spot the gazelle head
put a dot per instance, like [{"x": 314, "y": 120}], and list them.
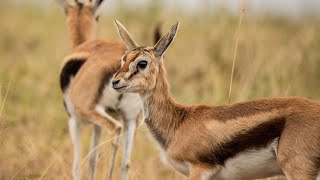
[{"x": 140, "y": 65}]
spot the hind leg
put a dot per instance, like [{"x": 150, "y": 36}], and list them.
[
  {"x": 297, "y": 164},
  {"x": 298, "y": 151},
  {"x": 297, "y": 174},
  {"x": 96, "y": 133},
  {"x": 101, "y": 118},
  {"x": 74, "y": 130}
]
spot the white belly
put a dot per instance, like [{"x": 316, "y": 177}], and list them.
[{"x": 253, "y": 164}]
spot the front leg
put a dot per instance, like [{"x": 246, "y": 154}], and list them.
[
  {"x": 182, "y": 167},
  {"x": 198, "y": 172},
  {"x": 129, "y": 133}
]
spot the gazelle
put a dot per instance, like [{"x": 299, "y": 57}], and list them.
[
  {"x": 87, "y": 91},
  {"x": 248, "y": 140}
]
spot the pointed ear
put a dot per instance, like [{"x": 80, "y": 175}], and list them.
[
  {"x": 125, "y": 36},
  {"x": 165, "y": 41}
]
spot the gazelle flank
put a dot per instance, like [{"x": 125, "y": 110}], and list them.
[
  {"x": 247, "y": 140},
  {"x": 88, "y": 95}
]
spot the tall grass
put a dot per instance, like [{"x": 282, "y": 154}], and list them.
[
  {"x": 278, "y": 57},
  {"x": 235, "y": 54}
]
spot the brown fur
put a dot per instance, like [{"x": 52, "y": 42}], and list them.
[
  {"x": 103, "y": 60},
  {"x": 207, "y": 136},
  {"x": 79, "y": 17},
  {"x": 90, "y": 65}
]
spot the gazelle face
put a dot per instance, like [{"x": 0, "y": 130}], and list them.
[
  {"x": 139, "y": 65},
  {"x": 138, "y": 71}
]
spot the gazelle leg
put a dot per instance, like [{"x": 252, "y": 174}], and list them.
[
  {"x": 129, "y": 133},
  {"x": 74, "y": 130},
  {"x": 101, "y": 118},
  {"x": 114, "y": 149},
  {"x": 195, "y": 172},
  {"x": 202, "y": 172},
  {"x": 96, "y": 133}
]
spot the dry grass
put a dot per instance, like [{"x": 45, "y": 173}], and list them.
[
  {"x": 278, "y": 57},
  {"x": 235, "y": 54}
]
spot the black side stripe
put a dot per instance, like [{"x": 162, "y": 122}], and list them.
[
  {"x": 316, "y": 165},
  {"x": 256, "y": 138},
  {"x": 69, "y": 70}
]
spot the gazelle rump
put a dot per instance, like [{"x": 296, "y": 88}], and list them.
[
  {"x": 247, "y": 140},
  {"x": 88, "y": 95}
]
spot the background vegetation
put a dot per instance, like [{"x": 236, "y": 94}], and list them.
[{"x": 276, "y": 57}]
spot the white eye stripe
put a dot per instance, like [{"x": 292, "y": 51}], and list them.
[{"x": 122, "y": 60}]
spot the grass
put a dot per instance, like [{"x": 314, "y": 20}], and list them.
[
  {"x": 278, "y": 57},
  {"x": 235, "y": 54}
]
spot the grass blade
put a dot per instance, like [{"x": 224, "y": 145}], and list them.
[{"x": 235, "y": 54}]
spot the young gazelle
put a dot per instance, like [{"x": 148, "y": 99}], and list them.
[
  {"x": 87, "y": 91},
  {"x": 247, "y": 140}
]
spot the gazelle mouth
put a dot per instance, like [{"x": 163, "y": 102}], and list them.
[{"x": 117, "y": 88}]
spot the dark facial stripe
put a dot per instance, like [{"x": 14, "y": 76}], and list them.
[
  {"x": 256, "y": 138},
  {"x": 69, "y": 70}
]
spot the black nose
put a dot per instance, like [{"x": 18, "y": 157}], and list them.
[{"x": 114, "y": 83}]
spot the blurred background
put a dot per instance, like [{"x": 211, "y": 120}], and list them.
[{"x": 278, "y": 55}]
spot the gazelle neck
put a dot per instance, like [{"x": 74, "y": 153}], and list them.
[{"x": 163, "y": 115}]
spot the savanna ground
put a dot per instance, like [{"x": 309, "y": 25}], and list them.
[{"x": 276, "y": 57}]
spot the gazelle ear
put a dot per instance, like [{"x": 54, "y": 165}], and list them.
[
  {"x": 165, "y": 41},
  {"x": 125, "y": 36}
]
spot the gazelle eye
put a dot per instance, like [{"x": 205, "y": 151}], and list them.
[{"x": 142, "y": 64}]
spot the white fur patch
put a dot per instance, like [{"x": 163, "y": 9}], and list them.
[
  {"x": 253, "y": 164},
  {"x": 109, "y": 97},
  {"x": 130, "y": 105},
  {"x": 68, "y": 103},
  {"x": 85, "y": 2}
]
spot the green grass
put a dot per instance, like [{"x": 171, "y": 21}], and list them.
[{"x": 275, "y": 57}]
